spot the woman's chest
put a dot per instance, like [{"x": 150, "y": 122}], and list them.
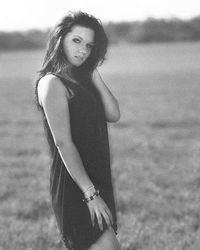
[{"x": 85, "y": 106}]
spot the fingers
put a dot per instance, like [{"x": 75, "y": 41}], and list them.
[
  {"x": 99, "y": 220},
  {"x": 99, "y": 209},
  {"x": 92, "y": 217},
  {"x": 110, "y": 215},
  {"x": 99, "y": 215},
  {"x": 107, "y": 219},
  {"x": 106, "y": 214}
]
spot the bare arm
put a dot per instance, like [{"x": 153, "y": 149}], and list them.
[
  {"x": 52, "y": 95},
  {"x": 110, "y": 103}
]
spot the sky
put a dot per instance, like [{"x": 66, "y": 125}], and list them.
[{"x": 41, "y": 14}]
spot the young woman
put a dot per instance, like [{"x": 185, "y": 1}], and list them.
[{"x": 76, "y": 106}]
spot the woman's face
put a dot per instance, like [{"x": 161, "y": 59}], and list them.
[{"x": 78, "y": 44}]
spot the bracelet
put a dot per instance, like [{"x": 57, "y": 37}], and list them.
[
  {"x": 88, "y": 189},
  {"x": 96, "y": 193}
]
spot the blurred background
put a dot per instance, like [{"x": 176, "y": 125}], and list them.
[{"x": 153, "y": 69}]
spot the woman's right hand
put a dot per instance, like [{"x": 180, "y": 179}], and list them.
[{"x": 98, "y": 208}]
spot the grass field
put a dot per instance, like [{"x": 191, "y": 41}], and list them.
[{"x": 155, "y": 149}]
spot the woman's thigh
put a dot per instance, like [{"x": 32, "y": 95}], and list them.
[{"x": 107, "y": 241}]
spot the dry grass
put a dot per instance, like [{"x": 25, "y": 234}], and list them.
[{"x": 155, "y": 150}]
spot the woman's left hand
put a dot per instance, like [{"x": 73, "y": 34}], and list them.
[{"x": 111, "y": 106}]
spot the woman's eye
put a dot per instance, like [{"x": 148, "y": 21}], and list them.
[{"x": 76, "y": 40}]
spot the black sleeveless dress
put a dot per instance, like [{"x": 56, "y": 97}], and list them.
[{"x": 90, "y": 136}]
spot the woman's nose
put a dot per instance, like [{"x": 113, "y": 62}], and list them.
[{"x": 83, "y": 50}]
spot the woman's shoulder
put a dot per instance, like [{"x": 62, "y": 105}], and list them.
[
  {"x": 50, "y": 80},
  {"x": 51, "y": 85}
]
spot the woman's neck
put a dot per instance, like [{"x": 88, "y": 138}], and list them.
[{"x": 66, "y": 72}]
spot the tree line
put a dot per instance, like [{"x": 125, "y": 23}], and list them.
[{"x": 150, "y": 30}]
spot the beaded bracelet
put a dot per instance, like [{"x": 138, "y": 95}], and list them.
[{"x": 96, "y": 193}]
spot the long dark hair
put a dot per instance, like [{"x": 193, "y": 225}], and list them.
[{"x": 55, "y": 58}]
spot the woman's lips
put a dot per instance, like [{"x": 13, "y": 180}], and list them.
[{"x": 79, "y": 58}]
